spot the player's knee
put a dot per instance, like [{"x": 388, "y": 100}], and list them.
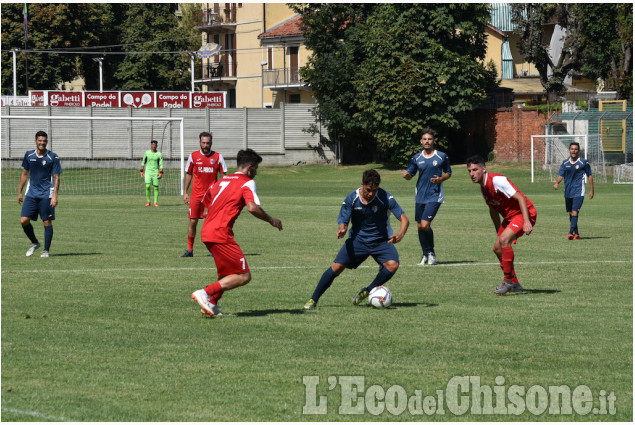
[
  {"x": 246, "y": 278},
  {"x": 391, "y": 266},
  {"x": 423, "y": 226},
  {"x": 337, "y": 268},
  {"x": 24, "y": 221}
]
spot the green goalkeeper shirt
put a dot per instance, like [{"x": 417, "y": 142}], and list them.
[{"x": 153, "y": 162}]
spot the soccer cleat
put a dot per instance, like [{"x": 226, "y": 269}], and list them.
[
  {"x": 216, "y": 310},
  {"x": 188, "y": 253},
  {"x": 569, "y": 236},
  {"x": 310, "y": 305},
  {"x": 360, "y": 296},
  {"x": 45, "y": 254},
  {"x": 156, "y": 205},
  {"x": 147, "y": 204},
  {"x": 32, "y": 249},
  {"x": 576, "y": 236},
  {"x": 508, "y": 286},
  {"x": 202, "y": 299},
  {"x": 423, "y": 261},
  {"x": 432, "y": 259}
]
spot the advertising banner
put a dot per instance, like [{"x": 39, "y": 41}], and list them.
[
  {"x": 208, "y": 100},
  {"x": 173, "y": 99},
  {"x": 102, "y": 100},
  {"x": 66, "y": 98},
  {"x": 137, "y": 99}
]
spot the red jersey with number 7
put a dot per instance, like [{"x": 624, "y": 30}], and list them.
[
  {"x": 205, "y": 169},
  {"x": 498, "y": 191},
  {"x": 224, "y": 201}
]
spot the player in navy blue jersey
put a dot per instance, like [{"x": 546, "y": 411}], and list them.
[
  {"x": 42, "y": 169},
  {"x": 368, "y": 211},
  {"x": 434, "y": 168},
  {"x": 572, "y": 171}
]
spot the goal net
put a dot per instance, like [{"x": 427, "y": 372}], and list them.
[
  {"x": 623, "y": 174},
  {"x": 549, "y": 151},
  {"x": 99, "y": 155}
]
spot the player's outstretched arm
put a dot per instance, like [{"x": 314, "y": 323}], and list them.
[{"x": 258, "y": 212}]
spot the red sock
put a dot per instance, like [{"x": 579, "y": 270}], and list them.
[
  {"x": 215, "y": 291},
  {"x": 508, "y": 262},
  {"x": 190, "y": 243}
]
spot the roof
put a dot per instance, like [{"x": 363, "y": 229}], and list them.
[
  {"x": 532, "y": 85},
  {"x": 290, "y": 27}
]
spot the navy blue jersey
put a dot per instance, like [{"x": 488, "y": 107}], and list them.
[
  {"x": 370, "y": 222},
  {"x": 437, "y": 165},
  {"x": 41, "y": 170},
  {"x": 573, "y": 174}
]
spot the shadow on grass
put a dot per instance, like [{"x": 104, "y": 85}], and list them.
[
  {"x": 73, "y": 254},
  {"x": 258, "y": 313},
  {"x": 593, "y": 237},
  {"x": 424, "y": 305},
  {"x": 538, "y": 291}
]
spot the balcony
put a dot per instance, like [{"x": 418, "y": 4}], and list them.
[
  {"x": 283, "y": 78},
  {"x": 216, "y": 19}
]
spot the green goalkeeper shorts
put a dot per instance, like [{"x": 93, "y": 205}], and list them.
[{"x": 152, "y": 179}]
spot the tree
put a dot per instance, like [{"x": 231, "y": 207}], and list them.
[
  {"x": 51, "y": 26},
  {"x": 385, "y": 71},
  {"x": 153, "y": 27},
  {"x": 607, "y": 37},
  {"x": 532, "y": 20}
]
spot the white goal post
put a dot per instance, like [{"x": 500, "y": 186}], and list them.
[
  {"x": 552, "y": 156},
  {"x": 180, "y": 121},
  {"x": 549, "y": 151}
]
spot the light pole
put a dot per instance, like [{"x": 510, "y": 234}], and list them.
[{"x": 100, "y": 60}]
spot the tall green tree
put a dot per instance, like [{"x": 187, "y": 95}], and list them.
[
  {"x": 50, "y": 26},
  {"x": 607, "y": 39},
  {"x": 532, "y": 21},
  {"x": 154, "y": 27},
  {"x": 382, "y": 72}
]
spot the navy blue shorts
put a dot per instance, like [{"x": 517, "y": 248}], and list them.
[
  {"x": 354, "y": 253},
  {"x": 427, "y": 211},
  {"x": 573, "y": 204},
  {"x": 31, "y": 207}
]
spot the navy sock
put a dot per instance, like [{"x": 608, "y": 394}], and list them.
[
  {"x": 426, "y": 239},
  {"x": 382, "y": 277},
  {"x": 574, "y": 225},
  {"x": 28, "y": 229},
  {"x": 325, "y": 283},
  {"x": 48, "y": 236}
]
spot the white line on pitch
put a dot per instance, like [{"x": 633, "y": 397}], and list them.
[
  {"x": 35, "y": 414},
  {"x": 169, "y": 269}
]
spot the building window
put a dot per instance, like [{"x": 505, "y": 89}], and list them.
[{"x": 294, "y": 98}]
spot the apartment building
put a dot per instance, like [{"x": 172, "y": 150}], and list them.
[{"x": 261, "y": 54}]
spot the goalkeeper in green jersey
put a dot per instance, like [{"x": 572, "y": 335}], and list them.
[{"x": 152, "y": 170}]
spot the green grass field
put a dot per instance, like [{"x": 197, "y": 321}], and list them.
[{"x": 105, "y": 330}]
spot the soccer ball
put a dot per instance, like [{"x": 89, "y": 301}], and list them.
[{"x": 380, "y": 297}]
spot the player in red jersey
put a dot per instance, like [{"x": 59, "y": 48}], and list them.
[
  {"x": 202, "y": 168},
  {"x": 223, "y": 203},
  {"x": 518, "y": 212}
]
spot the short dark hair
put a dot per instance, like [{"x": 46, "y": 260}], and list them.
[
  {"x": 205, "y": 134},
  {"x": 41, "y": 133},
  {"x": 476, "y": 159},
  {"x": 154, "y": 141},
  {"x": 371, "y": 177},
  {"x": 246, "y": 157},
  {"x": 574, "y": 143},
  {"x": 428, "y": 131}
]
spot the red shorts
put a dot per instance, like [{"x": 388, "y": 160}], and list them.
[
  {"x": 516, "y": 224},
  {"x": 229, "y": 258},
  {"x": 196, "y": 208}
]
